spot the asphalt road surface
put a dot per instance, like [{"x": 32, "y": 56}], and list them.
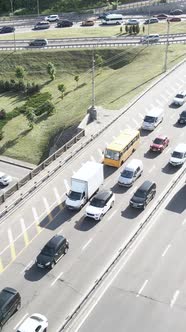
[{"x": 93, "y": 245}]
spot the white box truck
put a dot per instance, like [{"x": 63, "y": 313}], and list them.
[{"x": 84, "y": 183}]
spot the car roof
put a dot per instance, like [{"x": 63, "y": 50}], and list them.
[
  {"x": 145, "y": 185},
  {"x": 55, "y": 240},
  {"x": 103, "y": 195},
  {"x": 133, "y": 163},
  {"x": 161, "y": 136},
  {"x": 31, "y": 323}
]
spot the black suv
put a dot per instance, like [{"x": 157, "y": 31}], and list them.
[
  {"x": 7, "y": 29},
  {"x": 64, "y": 24},
  {"x": 52, "y": 252},
  {"x": 39, "y": 42},
  {"x": 10, "y": 301},
  {"x": 143, "y": 195},
  {"x": 182, "y": 118}
]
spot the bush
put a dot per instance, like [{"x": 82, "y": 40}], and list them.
[
  {"x": 38, "y": 99},
  {"x": 46, "y": 107},
  {"x": 1, "y": 135},
  {"x": 2, "y": 114}
]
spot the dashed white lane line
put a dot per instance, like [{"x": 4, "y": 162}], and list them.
[
  {"x": 112, "y": 214},
  {"x": 24, "y": 231},
  {"x": 66, "y": 185},
  {"x": 36, "y": 219},
  {"x": 174, "y": 298},
  {"x": 184, "y": 222},
  {"x": 58, "y": 277},
  {"x": 21, "y": 320},
  {"x": 142, "y": 288},
  {"x": 57, "y": 195},
  {"x": 166, "y": 249},
  {"x": 167, "y": 151},
  {"x": 11, "y": 242},
  {"x": 27, "y": 267},
  {"x": 151, "y": 169},
  {"x": 86, "y": 244}
]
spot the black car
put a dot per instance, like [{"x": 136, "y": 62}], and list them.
[
  {"x": 103, "y": 16},
  {"x": 52, "y": 252},
  {"x": 38, "y": 42},
  {"x": 182, "y": 118},
  {"x": 10, "y": 301},
  {"x": 176, "y": 12},
  {"x": 143, "y": 195},
  {"x": 64, "y": 24},
  {"x": 7, "y": 29}
]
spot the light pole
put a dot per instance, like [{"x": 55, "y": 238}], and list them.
[
  {"x": 11, "y": 8},
  {"x": 38, "y": 8},
  {"x": 93, "y": 80},
  {"x": 167, "y": 45}
]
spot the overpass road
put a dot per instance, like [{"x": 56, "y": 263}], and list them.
[
  {"x": 93, "y": 245},
  {"x": 147, "y": 290}
]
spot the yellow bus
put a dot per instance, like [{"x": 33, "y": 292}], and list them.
[{"x": 121, "y": 148}]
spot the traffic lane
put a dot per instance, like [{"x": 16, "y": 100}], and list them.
[
  {"x": 14, "y": 170},
  {"x": 128, "y": 288}
]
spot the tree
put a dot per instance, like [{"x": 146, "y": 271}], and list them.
[
  {"x": 134, "y": 29},
  {"x": 76, "y": 78},
  {"x": 51, "y": 70},
  {"x": 137, "y": 29},
  {"x": 62, "y": 89},
  {"x": 20, "y": 72},
  {"x": 130, "y": 30},
  {"x": 30, "y": 117},
  {"x": 143, "y": 28},
  {"x": 126, "y": 28}
]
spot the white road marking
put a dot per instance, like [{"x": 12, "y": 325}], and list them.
[
  {"x": 166, "y": 249},
  {"x": 10, "y": 236},
  {"x": 36, "y": 217},
  {"x": 159, "y": 102},
  {"x": 136, "y": 122},
  {"x": 167, "y": 150},
  {"x": 61, "y": 231},
  {"x": 66, "y": 185},
  {"x": 158, "y": 130},
  {"x": 184, "y": 222},
  {"x": 24, "y": 231},
  {"x": 92, "y": 158},
  {"x": 151, "y": 169},
  {"x": 142, "y": 288},
  {"x": 112, "y": 214},
  {"x": 58, "y": 198},
  {"x": 86, "y": 245},
  {"x": 52, "y": 284},
  {"x": 46, "y": 204},
  {"x": 26, "y": 267},
  {"x": 181, "y": 134},
  {"x": 100, "y": 152},
  {"x": 174, "y": 298},
  {"x": 21, "y": 320}
]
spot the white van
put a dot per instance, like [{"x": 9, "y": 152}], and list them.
[
  {"x": 130, "y": 173},
  {"x": 113, "y": 19},
  {"x": 178, "y": 157},
  {"x": 150, "y": 39},
  {"x": 153, "y": 118}
]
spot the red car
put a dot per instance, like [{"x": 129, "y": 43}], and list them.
[
  {"x": 159, "y": 143},
  {"x": 174, "y": 19},
  {"x": 161, "y": 16}
]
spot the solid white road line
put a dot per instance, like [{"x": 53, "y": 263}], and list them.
[
  {"x": 151, "y": 169},
  {"x": 86, "y": 245},
  {"x": 58, "y": 277},
  {"x": 174, "y": 298},
  {"x": 112, "y": 214},
  {"x": 26, "y": 267},
  {"x": 166, "y": 249},
  {"x": 142, "y": 288},
  {"x": 22, "y": 319}
]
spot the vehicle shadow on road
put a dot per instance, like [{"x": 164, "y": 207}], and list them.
[
  {"x": 119, "y": 189},
  {"x": 34, "y": 273},
  {"x": 169, "y": 169},
  {"x": 130, "y": 213},
  {"x": 58, "y": 216},
  {"x": 84, "y": 224},
  {"x": 177, "y": 203},
  {"x": 108, "y": 171},
  {"x": 150, "y": 154},
  {"x": 174, "y": 106},
  {"x": 144, "y": 133},
  {"x": 178, "y": 125}
]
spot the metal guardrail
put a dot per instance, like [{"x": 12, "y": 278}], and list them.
[
  {"x": 120, "y": 253},
  {"x": 37, "y": 170}
]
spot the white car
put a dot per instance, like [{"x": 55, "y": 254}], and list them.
[
  {"x": 132, "y": 22},
  {"x": 100, "y": 204},
  {"x": 52, "y": 18},
  {"x": 180, "y": 98},
  {"x": 35, "y": 322},
  {"x": 178, "y": 157},
  {"x": 5, "y": 179}
]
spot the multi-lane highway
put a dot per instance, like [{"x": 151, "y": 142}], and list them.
[{"x": 93, "y": 245}]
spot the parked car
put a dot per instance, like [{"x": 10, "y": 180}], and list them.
[
  {"x": 151, "y": 20},
  {"x": 87, "y": 23},
  {"x": 176, "y": 12},
  {"x": 5, "y": 180},
  {"x": 143, "y": 195},
  {"x": 34, "y": 323},
  {"x": 159, "y": 143},
  {"x": 132, "y": 22},
  {"x": 100, "y": 204},
  {"x": 38, "y": 43},
  {"x": 52, "y": 252},
  {"x": 174, "y": 19},
  {"x": 10, "y": 302},
  {"x": 42, "y": 25},
  {"x": 180, "y": 98},
  {"x": 64, "y": 24},
  {"x": 161, "y": 16},
  {"x": 182, "y": 118},
  {"x": 178, "y": 157},
  {"x": 52, "y": 18},
  {"x": 7, "y": 29}
]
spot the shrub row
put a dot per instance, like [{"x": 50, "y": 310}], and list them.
[{"x": 19, "y": 86}]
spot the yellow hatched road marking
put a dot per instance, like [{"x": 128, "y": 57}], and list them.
[
  {"x": 25, "y": 233},
  {"x": 1, "y": 266},
  {"x": 47, "y": 207},
  {"x": 12, "y": 246},
  {"x": 36, "y": 218}
]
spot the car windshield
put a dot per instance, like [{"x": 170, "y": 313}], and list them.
[
  {"x": 158, "y": 141},
  {"x": 140, "y": 193},
  {"x": 48, "y": 251},
  {"x": 183, "y": 114},
  {"x": 112, "y": 154},
  {"x": 97, "y": 202},
  {"x": 177, "y": 155},
  {"x": 179, "y": 95},
  {"x": 74, "y": 195},
  {"x": 127, "y": 174},
  {"x": 149, "y": 119}
]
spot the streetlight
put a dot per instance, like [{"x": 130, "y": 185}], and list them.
[
  {"x": 167, "y": 45},
  {"x": 11, "y": 7},
  {"x": 37, "y": 7}
]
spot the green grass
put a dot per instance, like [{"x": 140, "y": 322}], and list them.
[
  {"x": 103, "y": 31},
  {"x": 127, "y": 71}
]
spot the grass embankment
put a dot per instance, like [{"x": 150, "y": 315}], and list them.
[{"x": 125, "y": 74}]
